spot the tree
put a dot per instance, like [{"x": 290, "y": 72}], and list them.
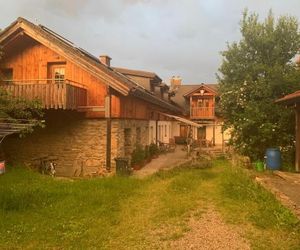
[
  {"x": 255, "y": 72},
  {"x": 12, "y": 109}
]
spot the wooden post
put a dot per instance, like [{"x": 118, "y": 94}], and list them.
[
  {"x": 297, "y": 156},
  {"x": 156, "y": 132},
  {"x": 214, "y": 134},
  {"x": 223, "y": 144},
  {"x": 108, "y": 128}
]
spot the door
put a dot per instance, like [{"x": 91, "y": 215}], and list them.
[
  {"x": 201, "y": 133},
  {"x": 183, "y": 131},
  {"x": 56, "y": 72}
]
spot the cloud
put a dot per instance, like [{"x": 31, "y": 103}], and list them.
[{"x": 170, "y": 37}]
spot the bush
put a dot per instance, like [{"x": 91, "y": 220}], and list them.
[
  {"x": 138, "y": 155},
  {"x": 147, "y": 152},
  {"x": 153, "y": 149}
]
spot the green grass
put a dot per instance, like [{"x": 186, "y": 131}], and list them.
[{"x": 39, "y": 212}]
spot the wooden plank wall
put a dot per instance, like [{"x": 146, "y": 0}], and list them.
[
  {"x": 30, "y": 59},
  {"x": 31, "y": 62}
]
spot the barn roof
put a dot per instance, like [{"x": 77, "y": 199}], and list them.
[{"x": 141, "y": 73}]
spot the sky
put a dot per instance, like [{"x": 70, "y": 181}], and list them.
[{"x": 169, "y": 37}]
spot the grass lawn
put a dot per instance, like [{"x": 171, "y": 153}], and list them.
[{"x": 39, "y": 212}]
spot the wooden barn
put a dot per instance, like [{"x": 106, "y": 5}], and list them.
[{"x": 93, "y": 112}]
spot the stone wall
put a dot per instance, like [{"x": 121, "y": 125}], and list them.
[
  {"x": 79, "y": 144},
  {"x": 125, "y": 135}
]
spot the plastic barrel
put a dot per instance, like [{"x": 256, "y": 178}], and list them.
[{"x": 273, "y": 158}]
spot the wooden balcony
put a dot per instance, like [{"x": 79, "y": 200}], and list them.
[
  {"x": 202, "y": 113},
  {"x": 53, "y": 95}
]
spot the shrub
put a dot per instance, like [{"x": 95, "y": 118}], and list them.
[
  {"x": 153, "y": 149},
  {"x": 138, "y": 155}
]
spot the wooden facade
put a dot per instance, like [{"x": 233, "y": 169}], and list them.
[
  {"x": 202, "y": 103},
  {"x": 31, "y": 70}
]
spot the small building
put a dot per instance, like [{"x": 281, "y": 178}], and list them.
[
  {"x": 199, "y": 103},
  {"x": 293, "y": 100}
]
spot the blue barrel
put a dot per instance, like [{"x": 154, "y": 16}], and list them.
[{"x": 273, "y": 158}]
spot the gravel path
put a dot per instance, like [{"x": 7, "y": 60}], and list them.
[
  {"x": 210, "y": 232},
  {"x": 165, "y": 161}
]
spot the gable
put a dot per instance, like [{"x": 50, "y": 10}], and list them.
[
  {"x": 65, "y": 49},
  {"x": 203, "y": 90}
]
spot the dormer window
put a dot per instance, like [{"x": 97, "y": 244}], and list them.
[{"x": 161, "y": 93}]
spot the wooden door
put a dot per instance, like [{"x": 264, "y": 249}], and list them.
[
  {"x": 57, "y": 72},
  {"x": 201, "y": 133},
  {"x": 183, "y": 131}
]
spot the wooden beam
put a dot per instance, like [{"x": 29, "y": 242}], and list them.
[
  {"x": 297, "y": 156},
  {"x": 91, "y": 108},
  {"x": 108, "y": 128}
]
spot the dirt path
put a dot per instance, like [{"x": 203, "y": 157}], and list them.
[
  {"x": 165, "y": 161},
  {"x": 210, "y": 232},
  {"x": 285, "y": 186}
]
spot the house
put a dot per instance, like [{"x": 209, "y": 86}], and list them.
[
  {"x": 93, "y": 112},
  {"x": 161, "y": 131},
  {"x": 293, "y": 100},
  {"x": 199, "y": 104}
]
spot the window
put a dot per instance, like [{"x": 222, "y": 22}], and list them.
[
  {"x": 161, "y": 93},
  {"x": 152, "y": 87},
  {"x": 165, "y": 130},
  {"x": 7, "y": 74}
]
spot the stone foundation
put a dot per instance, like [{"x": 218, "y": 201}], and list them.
[{"x": 79, "y": 144}]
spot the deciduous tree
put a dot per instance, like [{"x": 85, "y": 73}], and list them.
[{"x": 255, "y": 72}]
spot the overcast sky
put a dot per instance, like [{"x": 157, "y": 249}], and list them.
[{"x": 169, "y": 37}]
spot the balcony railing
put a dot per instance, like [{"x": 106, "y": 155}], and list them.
[
  {"x": 202, "y": 112},
  {"x": 53, "y": 95}
]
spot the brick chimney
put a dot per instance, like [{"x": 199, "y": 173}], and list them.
[
  {"x": 105, "y": 59},
  {"x": 175, "y": 82}
]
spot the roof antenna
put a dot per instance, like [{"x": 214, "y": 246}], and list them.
[{"x": 36, "y": 21}]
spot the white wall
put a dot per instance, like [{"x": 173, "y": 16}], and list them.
[
  {"x": 164, "y": 131},
  {"x": 218, "y": 134},
  {"x": 152, "y": 131}
]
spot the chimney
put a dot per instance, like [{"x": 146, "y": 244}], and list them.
[
  {"x": 105, "y": 59},
  {"x": 175, "y": 82}
]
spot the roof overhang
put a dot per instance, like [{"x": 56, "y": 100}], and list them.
[
  {"x": 202, "y": 86},
  {"x": 290, "y": 99},
  {"x": 137, "y": 92},
  {"x": 184, "y": 120}
]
